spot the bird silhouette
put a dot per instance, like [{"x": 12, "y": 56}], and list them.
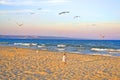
[
  {"x": 76, "y": 17},
  {"x": 19, "y": 24},
  {"x": 93, "y": 24},
  {"x": 64, "y": 12},
  {"x": 32, "y": 13},
  {"x": 102, "y": 36}
]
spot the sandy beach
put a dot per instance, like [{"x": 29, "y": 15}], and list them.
[{"x": 29, "y": 64}]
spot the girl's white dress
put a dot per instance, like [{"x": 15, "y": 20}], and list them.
[{"x": 64, "y": 58}]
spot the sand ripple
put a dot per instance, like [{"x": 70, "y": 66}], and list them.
[{"x": 27, "y": 64}]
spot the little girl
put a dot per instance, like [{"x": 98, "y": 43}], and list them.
[{"x": 64, "y": 59}]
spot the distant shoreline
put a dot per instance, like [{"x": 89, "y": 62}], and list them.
[
  {"x": 60, "y": 39},
  {"x": 45, "y": 37}
]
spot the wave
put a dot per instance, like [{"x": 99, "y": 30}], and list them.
[
  {"x": 17, "y": 43},
  {"x": 41, "y": 46},
  {"x": 61, "y": 45},
  {"x": 114, "y": 52},
  {"x": 60, "y": 49},
  {"x": 108, "y": 50},
  {"x": 33, "y": 44},
  {"x": 98, "y": 49},
  {"x": 25, "y": 44},
  {"x": 75, "y": 52},
  {"x": 102, "y": 54}
]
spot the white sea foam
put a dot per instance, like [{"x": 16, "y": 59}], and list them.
[
  {"x": 114, "y": 50},
  {"x": 60, "y": 49},
  {"x": 22, "y": 44},
  {"x": 75, "y": 52},
  {"x": 108, "y": 50},
  {"x": 61, "y": 45},
  {"x": 25, "y": 44},
  {"x": 41, "y": 46},
  {"x": 102, "y": 54},
  {"x": 98, "y": 49},
  {"x": 33, "y": 44},
  {"x": 17, "y": 43}
]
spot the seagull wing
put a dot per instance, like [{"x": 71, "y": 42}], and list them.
[{"x": 63, "y": 12}]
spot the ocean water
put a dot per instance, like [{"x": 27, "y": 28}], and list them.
[{"x": 92, "y": 47}]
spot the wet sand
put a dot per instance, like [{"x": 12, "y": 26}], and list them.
[{"x": 29, "y": 64}]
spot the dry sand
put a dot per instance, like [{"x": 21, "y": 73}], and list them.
[{"x": 28, "y": 64}]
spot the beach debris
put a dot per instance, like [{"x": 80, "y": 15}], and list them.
[
  {"x": 64, "y": 12},
  {"x": 76, "y": 17}
]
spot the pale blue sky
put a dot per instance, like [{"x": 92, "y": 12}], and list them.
[{"x": 99, "y": 12}]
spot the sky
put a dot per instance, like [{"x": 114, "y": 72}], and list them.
[{"x": 97, "y": 19}]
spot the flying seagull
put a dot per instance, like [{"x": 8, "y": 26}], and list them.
[
  {"x": 19, "y": 24},
  {"x": 102, "y": 36},
  {"x": 93, "y": 24},
  {"x": 32, "y": 13},
  {"x": 64, "y": 12},
  {"x": 9, "y": 19},
  {"x": 76, "y": 17}
]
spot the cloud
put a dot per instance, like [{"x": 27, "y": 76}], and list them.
[
  {"x": 3, "y": 12},
  {"x": 5, "y": 2},
  {"x": 17, "y": 2},
  {"x": 31, "y": 2},
  {"x": 58, "y": 1},
  {"x": 15, "y": 11}
]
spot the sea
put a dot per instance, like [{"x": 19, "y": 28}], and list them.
[{"x": 91, "y": 47}]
